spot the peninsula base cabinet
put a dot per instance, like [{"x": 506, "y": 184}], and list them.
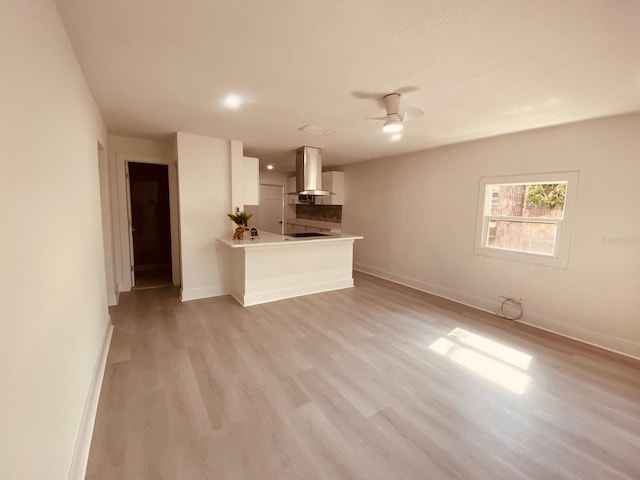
[{"x": 274, "y": 268}]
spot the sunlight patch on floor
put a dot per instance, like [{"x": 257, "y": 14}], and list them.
[{"x": 488, "y": 358}]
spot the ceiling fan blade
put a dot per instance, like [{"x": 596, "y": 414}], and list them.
[
  {"x": 405, "y": 90},
  {"x": 411, "y": 113},
  {"x": 376, "y": 118},
  {"x": 377, "y": 97}
]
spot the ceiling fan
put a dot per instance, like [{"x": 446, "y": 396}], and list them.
[{"x": 394, "y": 118}]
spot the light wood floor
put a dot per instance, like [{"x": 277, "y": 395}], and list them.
[{"x": 368, "y": 383}]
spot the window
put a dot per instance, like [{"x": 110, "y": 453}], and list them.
[{"x": 527, "y": 217}]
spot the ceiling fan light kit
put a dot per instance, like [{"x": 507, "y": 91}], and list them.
[{"x": 392, "y": 126}]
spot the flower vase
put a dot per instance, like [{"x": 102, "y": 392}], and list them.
[{"x": 239, "y": 232}]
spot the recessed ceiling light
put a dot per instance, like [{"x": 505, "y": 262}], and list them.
[
  {"x": 232, "y": 101},
  {"x": 395, "y": 137},
  {"x": 270, "y": 167}
]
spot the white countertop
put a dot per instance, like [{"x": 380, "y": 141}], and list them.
[{"x": 267, "y": 238}]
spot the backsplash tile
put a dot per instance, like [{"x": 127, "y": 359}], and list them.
[{"x": 323, "y": 213}]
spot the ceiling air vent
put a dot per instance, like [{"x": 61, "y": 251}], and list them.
[{"x": 316, "y": 130}]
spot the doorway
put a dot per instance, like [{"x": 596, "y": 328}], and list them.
[
  {"x": 271, "y": 209},
  {"x": 150, "y": 224}
]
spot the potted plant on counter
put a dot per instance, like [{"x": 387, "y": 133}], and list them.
[{"x": 240, "y": 219}]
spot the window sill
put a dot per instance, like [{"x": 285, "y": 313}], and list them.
[{"x": 532, "y": 258}]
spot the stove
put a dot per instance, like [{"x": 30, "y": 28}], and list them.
[{"x": 307, "y": 234}]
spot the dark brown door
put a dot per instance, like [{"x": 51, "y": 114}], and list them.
[{"x": 150, "y": 222}]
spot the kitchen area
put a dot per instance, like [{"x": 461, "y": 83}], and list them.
[
  {"x": 305, "y": 251},
  {"x": 319, "y": 212},
  {"x": 283, "y": 207},
  {"x": 302, "y": 218}
]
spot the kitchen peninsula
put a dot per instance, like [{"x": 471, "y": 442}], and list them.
[{"x": 275, "y": 267}]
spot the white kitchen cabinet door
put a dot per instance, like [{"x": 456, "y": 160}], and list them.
[
  {"x": 291, "y": 187},
  {"x": 333, "y": 182}
]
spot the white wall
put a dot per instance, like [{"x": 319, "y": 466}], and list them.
[
  {"x": 237, "y": 180},
  {"x": 418, "y": 214},
  {"x": 204, "y": 173},
  {"x": 52, "y": 289},
  {"x": 107, "y": 227},
  {"x": 121, "y": 150}
]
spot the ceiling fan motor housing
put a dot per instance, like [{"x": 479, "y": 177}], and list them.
[{"x": 392, "y": 104}]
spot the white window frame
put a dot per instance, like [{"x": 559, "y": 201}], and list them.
[{"x": 560, "y": 257}]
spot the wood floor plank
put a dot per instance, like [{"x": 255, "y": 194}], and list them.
[{"x": 377, "y": 382}]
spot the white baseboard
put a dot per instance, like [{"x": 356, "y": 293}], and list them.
[
  {"x": 458, "y": 297},
  {"x": 583, "y": 335},
  {"x": 574, "y": 332},
  {"x": 187, "y": 294},
  {"x": 290, "y": 292},
  {"x": 80, "y": 457}
]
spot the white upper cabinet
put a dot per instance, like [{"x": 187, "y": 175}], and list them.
[
  {"x": 291, "y": 187},
  {"x": 333, "y": 182}
]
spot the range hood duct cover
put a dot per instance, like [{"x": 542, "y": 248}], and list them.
[{"x": 309, "y": 172}]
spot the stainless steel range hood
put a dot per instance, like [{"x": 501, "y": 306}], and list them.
[{"x": 309, "y": 172}]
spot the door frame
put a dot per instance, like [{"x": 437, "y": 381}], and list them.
[
  {"x": 132, "y": 257},
  {"x": 282, "y": 207},
  {"x": 106, "y": 210},
  {"x": 125, "y": 264}
]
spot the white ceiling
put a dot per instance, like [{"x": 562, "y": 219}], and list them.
[{"x": 477, "y": 68}]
